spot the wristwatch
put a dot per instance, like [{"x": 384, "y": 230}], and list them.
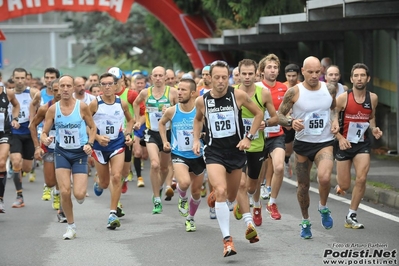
[
  {"x": 250, "y": 136},
  {"x": 289, "y": 122},
  {"x": 90, "y": 144},
  {"x": 16, "y": 119}
]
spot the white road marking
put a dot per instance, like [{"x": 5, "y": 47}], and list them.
[{"x": 344, "y": 200}]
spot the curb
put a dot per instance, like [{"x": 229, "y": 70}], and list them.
[{"x": 372, "y": 194}]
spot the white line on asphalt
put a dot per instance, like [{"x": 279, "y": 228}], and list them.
[{"x": 344, "y": 200}]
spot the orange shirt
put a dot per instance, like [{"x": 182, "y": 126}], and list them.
[{"x": 277, "y": 92}]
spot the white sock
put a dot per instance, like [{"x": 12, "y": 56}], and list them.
[
  {"x": 223, "y": 217},
  {"x": 272, "y": 200},
  {"x": 350, "y": 212},
  {"x": 247, "y": 217}
]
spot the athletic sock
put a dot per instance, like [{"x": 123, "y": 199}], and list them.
[{"x": 137, "y": 166}]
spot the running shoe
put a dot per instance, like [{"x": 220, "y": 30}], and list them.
[
  {"x": 174, "y": 184},
  {"x": 157, "y": 207},
  {"x": 46, "y": 193},
  {"x": 124, "y": 187},
  {"x": 140, "y": 182},
  {"x": 70, "y": 233},
  {"x": 19, "y": 203},
  {"x": 236, "y": 212},
  {"x": 287, "y": 170},
  {"x": 326, "y": 219},
  {"x": 97, "y": 190},
  {"x": 32, "y": 177},
  {"x": 169, "y": 193},
  {"x": 203, "y": 191},
  {"x": 56, "y": 201},
  {"x": 10, "y": 172},
  {"x": 61, "y": 217},
  {"x": 212, "y": 213},
  {"x": 113, "y": 222},
  {"x": 268, "y": 192},
  {"x": 80, "y": 201},
  {"x": 273, "y": 211},
  {"x": 190, "y": 226},
  {"x": 251, "y": 235},
  {"x": 2, "y": 206},
  {"x": 257, "y": 216},
  {"x": 251, "y": 201},
  {"x": 351, "y": 222},
  {"x": 228, "y": 249},
  {"x": 130, "y": 176},
  {"x": 306, "y": 229},
  {"x": 339, "y": 191},
  {"x": 263, "y": 192},
  {"x": 231, "y": 205},
  {"x": 119, "y": 210},
  {"x": 183, "y": 206}
]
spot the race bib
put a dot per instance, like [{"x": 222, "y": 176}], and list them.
[
  {"x": 69, "y": 138},
  {"x": 110, "y": 128},
  {"x": 222, "y": 124},
  {"x": 23, "y": 115},
  {"x": 2, "y": 121},
  {"x": 247, "y": 122},
  {"x": 315, "y": 123},
  {"x": 155, "y": 115},
  {"x": 184, "y": 140},
  {"x": 52, "y": 144},
  {"x": 356, "y": 131},
  {"x": 273, "y": 129}
]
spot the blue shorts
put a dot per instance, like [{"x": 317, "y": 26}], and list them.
[
  {"x": 140, "y": 133},
  {"x": 75, "y": 160},
  {"x": 103, "y": 157}
]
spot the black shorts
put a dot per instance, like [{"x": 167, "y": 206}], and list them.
[
  {"x": 5, "y": 138},
  {"x": 308, "y": 149},
  {"x": 289, "y": 135},
  {"x": 254, "y": 164},
  {"x": 196, "y": 166},
  {"x": 273, "y": 143},
  {"x": 22, "y": 144},
  {"x": 349, "y": 154},
  {"x": 231, "y": 159},
  {"x": 154, "y": 137}
]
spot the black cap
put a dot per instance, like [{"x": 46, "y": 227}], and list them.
[{"x": 292, "y": 68}]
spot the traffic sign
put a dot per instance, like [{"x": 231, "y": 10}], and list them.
[{"x": 2, "y": 36}]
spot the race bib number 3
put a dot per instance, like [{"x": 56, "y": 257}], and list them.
[
  {"x": 184, "y": 140},
  {"x": 356, "y": 131},
  {"x": 315, "y": 123}
]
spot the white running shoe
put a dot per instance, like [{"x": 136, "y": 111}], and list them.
[{"x": 70, "y": 233}]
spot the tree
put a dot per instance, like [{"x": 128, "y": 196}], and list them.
[{"x": 110, "y": 40}]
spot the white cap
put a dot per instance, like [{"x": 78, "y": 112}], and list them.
[{"x": 116, "y": 72}]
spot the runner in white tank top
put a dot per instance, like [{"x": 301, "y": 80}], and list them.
[{"x": 311, "y": 102}]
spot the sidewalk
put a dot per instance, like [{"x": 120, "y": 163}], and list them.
[{"x": 384, "y": 170}]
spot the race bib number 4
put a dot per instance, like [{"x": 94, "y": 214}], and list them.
[{"x": 356, "y": 131}]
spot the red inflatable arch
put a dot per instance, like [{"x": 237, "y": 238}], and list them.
[{"x": 183, "y": 27}]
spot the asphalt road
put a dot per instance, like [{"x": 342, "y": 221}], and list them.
[{"x": 32, "y": 235}]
